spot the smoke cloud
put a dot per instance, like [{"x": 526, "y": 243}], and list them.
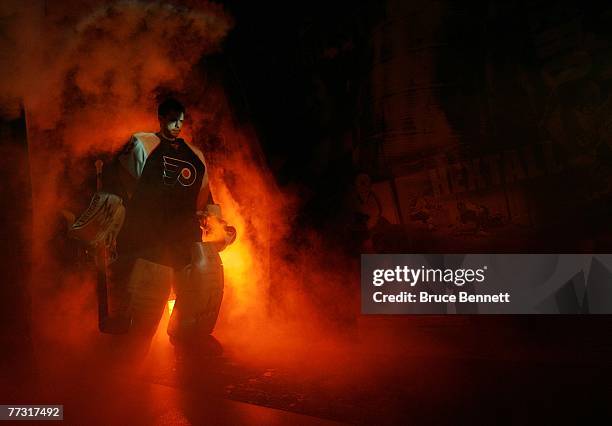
[{"x": 88, "y": 75}]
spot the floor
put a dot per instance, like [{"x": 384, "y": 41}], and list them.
[{"x": 381, "y": 370}]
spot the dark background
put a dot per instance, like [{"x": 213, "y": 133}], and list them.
[{"x": 398, "y": 89}]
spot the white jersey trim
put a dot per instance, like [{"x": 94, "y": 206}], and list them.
[{"x": 141, "y": 145}]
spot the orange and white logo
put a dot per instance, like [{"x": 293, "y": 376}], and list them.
[{"x": 180, "y": 171}]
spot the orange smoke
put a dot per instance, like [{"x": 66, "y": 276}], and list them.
[
  {"x": 282, "y": 299},
  {"x": 88, "y": 77},
  {"x": 260, "y": 215},
  {"x": 87, "y": 74}
]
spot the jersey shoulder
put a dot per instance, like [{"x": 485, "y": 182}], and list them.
[
  {"x": 146, "y": 141},
  {"x": 198, "y": 152},
  {"x": 135, "y": 154}
]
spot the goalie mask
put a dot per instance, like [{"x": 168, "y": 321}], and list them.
[{"x": 101, "y": 221}]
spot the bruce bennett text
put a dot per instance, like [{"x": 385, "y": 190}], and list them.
[{"x": 426, "y": 297}]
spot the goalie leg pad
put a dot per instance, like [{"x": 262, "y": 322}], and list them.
[
  {"x": 148, "y": 287},
  {"x": 199, "y": 292}
]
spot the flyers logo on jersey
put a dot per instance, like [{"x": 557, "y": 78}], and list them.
[{"x": 180, "y": 171}]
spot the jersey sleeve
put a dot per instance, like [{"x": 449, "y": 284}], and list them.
[
  {"x": 129, "y": 164},
  {"x": 134, "y": 156},
  {"x": 206, "y": 203}
]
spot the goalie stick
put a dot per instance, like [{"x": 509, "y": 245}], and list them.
[{"x": 101, "y": 260}]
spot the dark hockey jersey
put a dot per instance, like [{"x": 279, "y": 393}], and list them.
[{"x": 164, "y": 182}]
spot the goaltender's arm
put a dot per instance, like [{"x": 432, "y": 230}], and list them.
[
  {"x": 205, "y": 204},
  {"x": 216, "y": 230}
]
